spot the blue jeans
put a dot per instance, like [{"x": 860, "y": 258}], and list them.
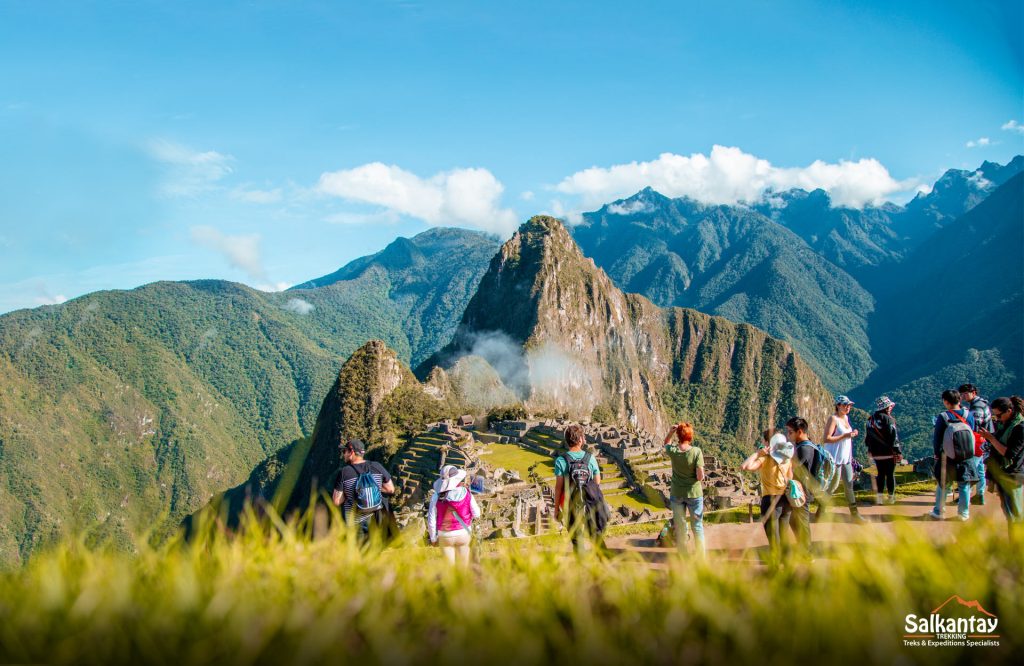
[
  {"x": 963, "y": 504},
  {"x": 695, "y": 507},
  {"x": 979, "y": 464}
]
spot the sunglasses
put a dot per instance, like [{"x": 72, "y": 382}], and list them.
[{"x": 997, "y": 414}]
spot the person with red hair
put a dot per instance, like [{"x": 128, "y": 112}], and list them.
[{"x": 687, "y": 500}]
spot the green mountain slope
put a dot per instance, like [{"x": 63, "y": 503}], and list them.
[
  {"x": 431, "y": 277},
  {"x": 734, "y": 262},
  {"x": 126, "y": 410},
  {"x": 961, "y": 290}
]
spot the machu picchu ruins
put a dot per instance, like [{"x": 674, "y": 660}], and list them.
[{"x": 510, "y": 464}]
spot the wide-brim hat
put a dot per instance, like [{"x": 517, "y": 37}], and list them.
[
  {"x": 780, "y": 449},
  {"x": 884, "y": 403},
  {"x": 451, "y": 477}
]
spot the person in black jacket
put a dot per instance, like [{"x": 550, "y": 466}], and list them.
[
  {"x": 1006, "y": 463},
  {"x": 883, "y": 442}
]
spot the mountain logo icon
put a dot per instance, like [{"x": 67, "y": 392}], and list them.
[{"x": 973, "y": 605}]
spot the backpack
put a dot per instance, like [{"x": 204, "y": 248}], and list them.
[
  {"x": 958, "y": 440},
  {"x": 979, "y": 441},
  {"x": 827, "y": 474},
  {"x": 367, "y": 491},
  {"x": 585, "y": 493}
]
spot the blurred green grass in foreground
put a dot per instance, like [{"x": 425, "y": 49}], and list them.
[{"x": 272, "y": 594}]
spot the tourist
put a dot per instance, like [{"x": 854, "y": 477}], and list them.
[
  {"x": 687, "y": 498},
  {"x": 883, "y": 444},
  {"x": 1006, "y": 462},
  {"x": 963, "y": 473},
  {"x": 359, "y": 490},
  {"x": 775, "y": 464},
  {"x": 452, "y": 510},
  {"x": 838, "y": 442},
  {"x": 583, "y": 499},
  {"x": 982, "y": 421},
  {"x": 809, "y": 458}
]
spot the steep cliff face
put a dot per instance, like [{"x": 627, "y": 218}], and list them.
[
  {"x": 560, "y": 334},
  {"x": 736, "y": 379}
]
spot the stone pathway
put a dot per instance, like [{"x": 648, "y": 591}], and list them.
[{"x": 744, "y": 542}]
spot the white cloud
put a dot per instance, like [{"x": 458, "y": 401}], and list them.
[
  {"x": 189, "y": 172},
  {"x": 242, "y": 252},
  {"x": 526, "y": 195},
  {"x": 983, "y": 141},
  {"x": 51, "y": 300},
  {"x": 299, "y": 306},
  {"x": 730, "y": 176},
  {"x": 979, "y": 181},
  {"x": 1013, "y": 126},
  {"x": 274, "y": 288},
  {"x": 467, "y": 197},
  {"x": 256, "y": 196},
  {"x": 629, "y": 208}
]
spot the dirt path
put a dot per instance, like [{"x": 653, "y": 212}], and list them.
[{"x": 745, "y": 541}]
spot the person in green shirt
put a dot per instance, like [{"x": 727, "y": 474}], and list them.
[{"x": 687, "y": 493}]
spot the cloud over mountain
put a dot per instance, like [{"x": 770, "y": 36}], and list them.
[
  {"x": 729, "y": 176},
  {"x": 460, "y": 197},
  {"x": 241, "y": 251}
]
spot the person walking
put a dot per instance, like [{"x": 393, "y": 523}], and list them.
[
  {"x": 882, "y": 440},
  {"x": 687, "y": 498},
  {"x": 838, "y": 442},
  {"x": 578, "y": 487},
  {"x": 775, "y": 466},
  {"x": 358, "y": 490},
  {"x": 982, "y": 414},
  {"x": 947, "y": 471},
  {"x": 1006, "y": 462},
  {"x": 451, "y": 513}
]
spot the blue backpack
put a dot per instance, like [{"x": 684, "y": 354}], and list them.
[
  {"x": 827, "y": 474},
  {"x": 367, "y": 491}
]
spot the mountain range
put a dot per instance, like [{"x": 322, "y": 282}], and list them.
[{"x": 123, "y": 411}]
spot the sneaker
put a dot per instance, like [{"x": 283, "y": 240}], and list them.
[
  {"x": 891, "y": 500},
  {"x": 878, "y": 500},
  {"x": 962, "y": 518},
  {"x": 856, "y": 518},
  {"x": 931, "y": 515}
]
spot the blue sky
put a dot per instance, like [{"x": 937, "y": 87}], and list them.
[{"x": 272, "y": 142}]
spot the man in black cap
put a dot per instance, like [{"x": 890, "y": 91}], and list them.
[{"x": 359, "y": 488}]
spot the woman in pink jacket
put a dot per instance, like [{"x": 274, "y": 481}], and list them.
[{"x": 450, "y": 516}]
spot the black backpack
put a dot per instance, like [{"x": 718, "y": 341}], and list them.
[{"x": 585, "y": 492}]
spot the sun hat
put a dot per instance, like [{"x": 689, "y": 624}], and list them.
[
  {"x": 884, "y": 403},
  {"x": 450, "y": 478},
  {"x": 779, "y": 448},
  {"x": 843, "y": 400}
]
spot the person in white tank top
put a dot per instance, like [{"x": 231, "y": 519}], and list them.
[{"x": 838, "y": 442}]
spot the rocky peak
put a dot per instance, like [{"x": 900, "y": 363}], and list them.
[{"x": 352, "y": 409}]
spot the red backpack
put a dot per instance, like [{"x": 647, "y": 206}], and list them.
[{"x": 978, "y": 439}]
